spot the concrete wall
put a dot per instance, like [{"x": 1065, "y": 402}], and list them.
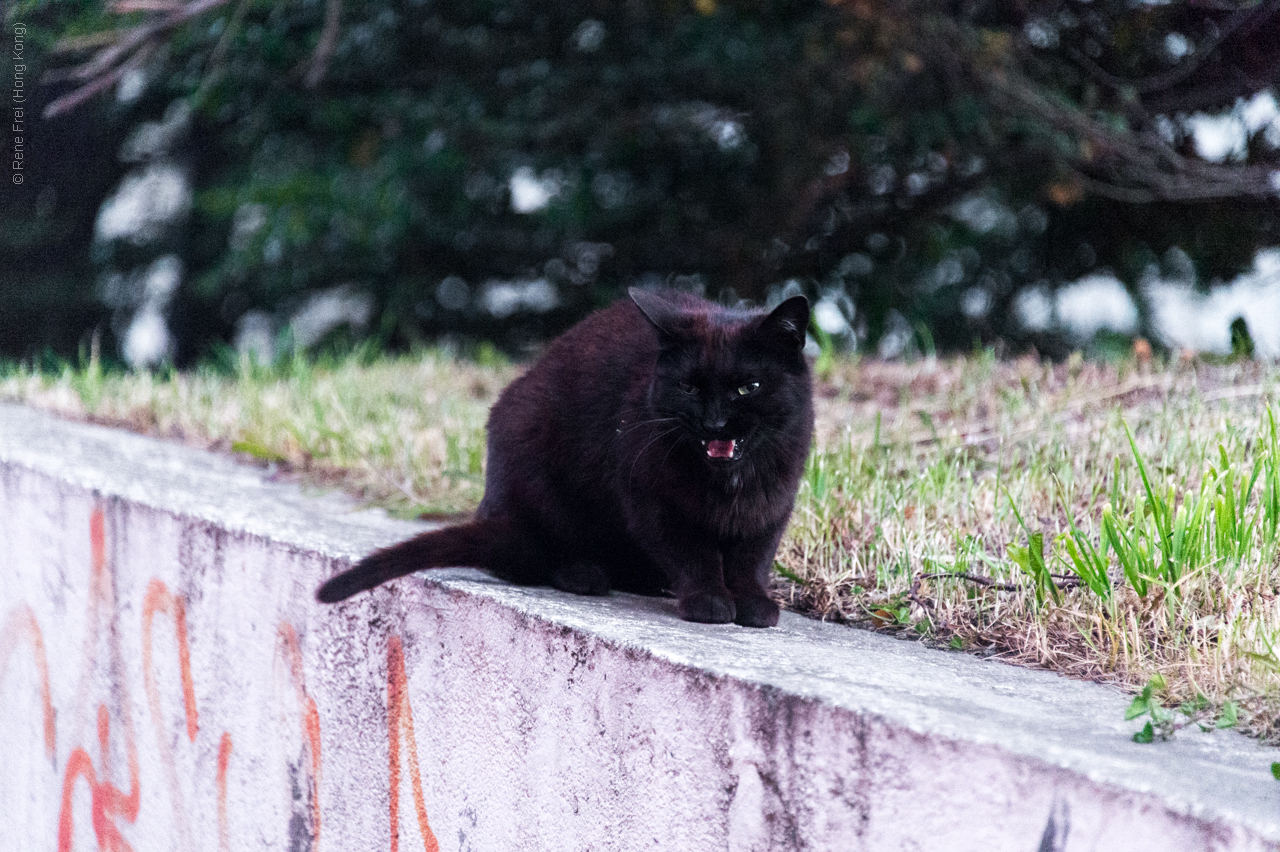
[{"x": 167, "y": 683}]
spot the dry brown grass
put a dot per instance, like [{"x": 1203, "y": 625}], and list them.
[{"x": 927, "y": 473}]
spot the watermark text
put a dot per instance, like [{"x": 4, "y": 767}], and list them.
[{"x": 19, "y": 152}]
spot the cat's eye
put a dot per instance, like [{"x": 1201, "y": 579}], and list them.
[
  {"x": 687, "y": 388},
  {"x": 748, "y": 388}
]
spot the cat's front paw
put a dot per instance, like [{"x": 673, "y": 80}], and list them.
[
  {"x": 707, "y": 608},
  {"x": 756, "y": 612}
]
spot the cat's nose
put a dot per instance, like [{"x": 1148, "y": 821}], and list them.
[{"x": 713, "y": 422}]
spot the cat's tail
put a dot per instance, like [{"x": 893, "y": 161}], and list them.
[{"x": 489, "y": 543}]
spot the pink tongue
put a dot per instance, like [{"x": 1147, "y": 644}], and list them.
[{"x": 720, "y": 449}]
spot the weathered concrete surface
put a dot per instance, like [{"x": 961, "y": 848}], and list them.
[{"x": 197, "y": 698}]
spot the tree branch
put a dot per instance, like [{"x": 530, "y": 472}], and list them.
[
  {"x": 73, "y": 99},
  {"x": 328, "y": 42},
  {"x": 128, "y": 50},
  {"x": 1134, "y": 168},
  {"x": 1242, "y": 19}
]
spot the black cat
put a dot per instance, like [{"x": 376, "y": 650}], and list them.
[{"x": 657, "y": 445}]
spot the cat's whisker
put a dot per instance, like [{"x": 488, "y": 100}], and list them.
[
  {"x": 632, "y": 472},
  {"x": 653, "y": 441},
  {"x": 631, "y": 427},
  {"x": 671, "y": 449}
]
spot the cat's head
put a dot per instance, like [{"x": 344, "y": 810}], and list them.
[{"x": 735, "y": 381}]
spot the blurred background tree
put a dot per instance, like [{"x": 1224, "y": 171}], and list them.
[{"x": 408, "y": 169}]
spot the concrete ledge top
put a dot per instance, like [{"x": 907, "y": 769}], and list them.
[
  {"x": 192, "y": 482},
  {"x": 1040, "y": 717}
]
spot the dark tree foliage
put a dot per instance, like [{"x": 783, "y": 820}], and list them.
[
  {"x": 912, "y": 156},
  {"x": 47, "y": 295}
]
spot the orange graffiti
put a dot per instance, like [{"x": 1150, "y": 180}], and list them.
[
  {"x": 98, "y": 580},
  {"x": 98, "y": 540},
  {"x": 400, "y": 717},
  {"x": 310, "y": 717},
  {"x": 106, "y": 799},
  {"x": 112, "y": 808},
  {"x": 21, "y": 623},
  {"x": 224, "y": 757},
  {"x": 159, "y": 599}
]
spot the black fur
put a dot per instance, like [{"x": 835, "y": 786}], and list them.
[{"x": 657, "y": 445}]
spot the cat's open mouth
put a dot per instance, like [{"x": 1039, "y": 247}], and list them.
[{"x": 727, "y": 450}]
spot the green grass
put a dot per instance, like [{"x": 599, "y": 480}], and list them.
[{"x": 1117, "y": 522}]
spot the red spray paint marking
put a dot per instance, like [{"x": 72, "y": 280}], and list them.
[
  {"x": 117, "y": 801},
  {"x": 224, "y": 757},
  {"x": 106, "y": 800},
  {"x": 98, "y": 540},
  {"x": 21, "y": 624},
  {"x": 400, "y": 715},
  {"x": 310, "y": 717},
  {"x": 159, "y": 599},
  {"x": 99, "y": 588},
  {"x": 79, "y": 765}
]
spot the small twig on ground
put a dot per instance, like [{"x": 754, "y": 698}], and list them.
[
  {"x": 914, "y": 596},
  {"x": 1063, "y": 581},
  {"x": 986, "y": 582}
]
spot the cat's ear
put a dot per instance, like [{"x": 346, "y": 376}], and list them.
[
  {"x": 665, "y": 316},
  {"x": 788, "y": 323}
]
